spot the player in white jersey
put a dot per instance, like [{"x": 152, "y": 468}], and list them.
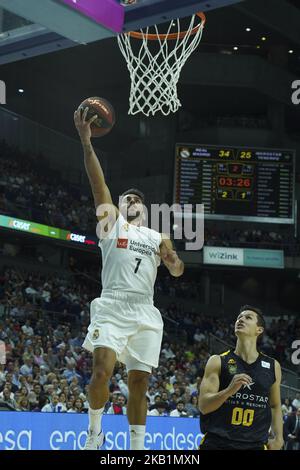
[{"x": 125, "y": 325}]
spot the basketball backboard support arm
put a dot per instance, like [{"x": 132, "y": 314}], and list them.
[
  {"x": 150, "y": 12},
  {"x": 113, "y": 15},
  {"x": 58, "y": 24},
  {"x": 59, "y": 18},
  {"x": 108, "y": 13},
  {"x": 54, "y": 26}
]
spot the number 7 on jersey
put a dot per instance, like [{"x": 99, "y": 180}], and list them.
[{"x": 137, "y": 265}]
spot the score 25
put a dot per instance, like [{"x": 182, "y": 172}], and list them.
[{"x": 245, "y": 155}]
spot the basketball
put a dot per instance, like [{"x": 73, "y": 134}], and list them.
[{"x": 105, "y": 112}]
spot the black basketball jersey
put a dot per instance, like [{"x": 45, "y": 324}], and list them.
[{"x": 246, "y": 416}]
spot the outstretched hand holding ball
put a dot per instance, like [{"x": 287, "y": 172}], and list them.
[{"x": 95, "y": 117}]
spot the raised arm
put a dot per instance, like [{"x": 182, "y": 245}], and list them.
[
  {"x": 170, "y": 258},
  {"x": 93, "y": 168},
  {"x": 277, "y": 420},
  {"x": 210, "y": 398}
]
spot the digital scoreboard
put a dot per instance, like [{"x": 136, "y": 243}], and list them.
[{"x": 235, "y": 183}]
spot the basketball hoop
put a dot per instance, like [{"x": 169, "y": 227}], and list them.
[{"x": 155, "y": 73}]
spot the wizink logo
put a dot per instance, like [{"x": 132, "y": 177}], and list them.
[
  {"x": 296, "y": 94},
  {"x": 220, "y": 255},
  {"x": 2, "y": 92}
]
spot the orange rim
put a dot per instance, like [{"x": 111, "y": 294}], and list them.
[{"x": 155, "y": 37}]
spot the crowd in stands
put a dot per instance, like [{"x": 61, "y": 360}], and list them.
[
  {"x": 21, "y": 290},
  {"x": 44, "y": 317},
  {"x": 196, "y": 327},
  {"x": 47, "y": 370},
  {"x": 248, "y": 238},
  {"x": 31, "y": 191},
  {"x": 253, "y": 237},
  {"x": 67, "y": 298}
]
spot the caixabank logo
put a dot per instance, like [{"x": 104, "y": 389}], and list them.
[{"x": 2, "y": 92}]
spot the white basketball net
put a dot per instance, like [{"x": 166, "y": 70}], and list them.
[{"x": 154, "y": 75}]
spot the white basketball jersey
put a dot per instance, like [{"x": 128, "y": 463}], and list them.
[{"x": 129, "y": 259}]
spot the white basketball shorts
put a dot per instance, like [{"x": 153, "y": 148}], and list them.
[{"x": 130, "y": 325}]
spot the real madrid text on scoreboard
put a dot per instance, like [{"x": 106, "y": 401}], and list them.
[{"x": 234, "y": 183}]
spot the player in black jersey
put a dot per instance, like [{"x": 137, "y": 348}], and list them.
[{"x": 239, "y": 396}]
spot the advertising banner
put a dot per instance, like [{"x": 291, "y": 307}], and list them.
[
  {"x": 243, "y": 257},
  {"x": 264, "y": 258},
  {"x": 46, "y": 231},
  {"x": 226, "y": 256},
  {"x": 67, "y": 431}
]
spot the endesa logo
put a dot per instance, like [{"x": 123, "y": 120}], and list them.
[{"x": 122, "y": 243}]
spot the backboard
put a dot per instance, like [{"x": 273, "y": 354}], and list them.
[{"x": 34, "y": 27}]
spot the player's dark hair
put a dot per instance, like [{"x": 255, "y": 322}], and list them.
[
  {"x": 135, "y": 191},
  {"x": 260, "y": 318}
]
